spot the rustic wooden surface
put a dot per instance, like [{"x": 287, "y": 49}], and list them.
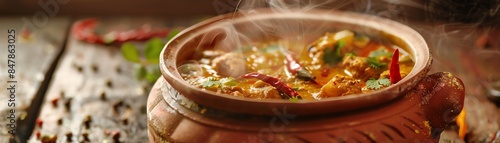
[
  {"x": 95, "y": 81},
  {"x": 34, "y": 57}
]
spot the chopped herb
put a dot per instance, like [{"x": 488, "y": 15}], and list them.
[
  {"x": 294, "y": 99},
  {"x": 212, "y": 79},
  {"x": 130, "y": 53},
  {"x": 332, "y": 57},
  {"x": 270, "y": 49},
  {"x": 228, "y": 81},
  {"x": 153, "y": 50},
  {"x": 211, "y": 83},
  {"x": 244, "y": 49},
  {"x": 375, "y": 63},
  {"x": 339, "y": 45},
  {"x": 350, "y": 54},
  {"x": 361, "y": 41},
  {"x": 384, "y": 81},
  {"x": 380, "y": 52},
  {"x": 377, "y": 83},
  {"x": 295, "y": 88}
]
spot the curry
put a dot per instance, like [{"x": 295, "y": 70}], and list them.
[{"x": 337, "y": 64}]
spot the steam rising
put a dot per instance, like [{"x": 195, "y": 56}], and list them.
[{"x": 450, "y": 28}]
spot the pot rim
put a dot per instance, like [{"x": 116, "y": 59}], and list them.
[{"x": 402, "y": 33}]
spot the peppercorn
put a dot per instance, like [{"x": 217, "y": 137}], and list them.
[
  {"x": 86, "y": 121},
  {"x": 86, "y": 137},
  {"x": 109, "y": 84},
  {"x": 116, "y": 136},
  {"x": 48, "y": 139},
  {"x": 95, "y": 68},
  {"x": 103, "y": 96},
  {"x": 59, "y": 121},
  {"x": 67, "y": 104},
  {"x": 125, "y": 121},
  {"x": 118, "y": 69},
  {"x": 69, "y": 137},
  {"x": 116, "y": 105}
]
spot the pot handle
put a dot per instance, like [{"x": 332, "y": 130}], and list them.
[{"x": 442, "y": 99}]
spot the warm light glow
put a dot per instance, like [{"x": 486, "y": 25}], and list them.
[{"x": 462, "y": 127}]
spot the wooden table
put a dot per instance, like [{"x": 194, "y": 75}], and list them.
[
  {"x": 80, "y": 91},
  {"x": 88, "y": 92}
]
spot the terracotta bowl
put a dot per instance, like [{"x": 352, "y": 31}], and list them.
[
  {"x": 416, "y": 109},
  {"x": 187, "y": 43}
]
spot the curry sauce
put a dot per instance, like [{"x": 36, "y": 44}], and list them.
[{"x": 337, "y": 64}]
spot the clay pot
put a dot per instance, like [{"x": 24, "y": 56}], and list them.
[{"x": 415, "y": 109}]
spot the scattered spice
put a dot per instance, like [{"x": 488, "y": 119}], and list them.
[
  {"x": 86, "y": 137},
  {"x": 59, "y": 121},
  {"x": 125, "y": 121},
  {"x": 54, "y": 101},
  {"x": 78, "y": 67},
  {"x": 86, "y": 121},
  {"x": 128, "y": 106},
  {"x": 117, "y": 105},
  {"x": 69, "y": 137},
  {"x": 39, "y": 122},
  {"x": 103, "y": 96},
  {"x": 62, "y": 94},
  {"x": 109, "y": 84},
  {"x": 67, "y": 104},
  {"x": 116, "y": 136},
  {"x": 38, "y": 134},
  {"x": 118, "y": 69},
  {"x": 95, "y": 68},
  {"x": 49, "y": 139}
]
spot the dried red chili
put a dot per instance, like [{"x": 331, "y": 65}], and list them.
[
  {"x": 295, "y": 68},
  {"x": 85, "y": 30},
  {"x": 394, "y": 71},
  {"x": 275, "y": 82}
]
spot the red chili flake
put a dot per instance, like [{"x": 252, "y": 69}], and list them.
[
  {"x": 39, "y": 122},
  {"x": 25, "y": 33},
  {"x": 86, "y": 137},
  {"x": 54, "y": 101},
  {"x": 38, "y": 134},
  {"x": 325, "y": 72}
]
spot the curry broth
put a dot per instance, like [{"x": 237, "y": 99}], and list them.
[{"x": 268, "y": 58}]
